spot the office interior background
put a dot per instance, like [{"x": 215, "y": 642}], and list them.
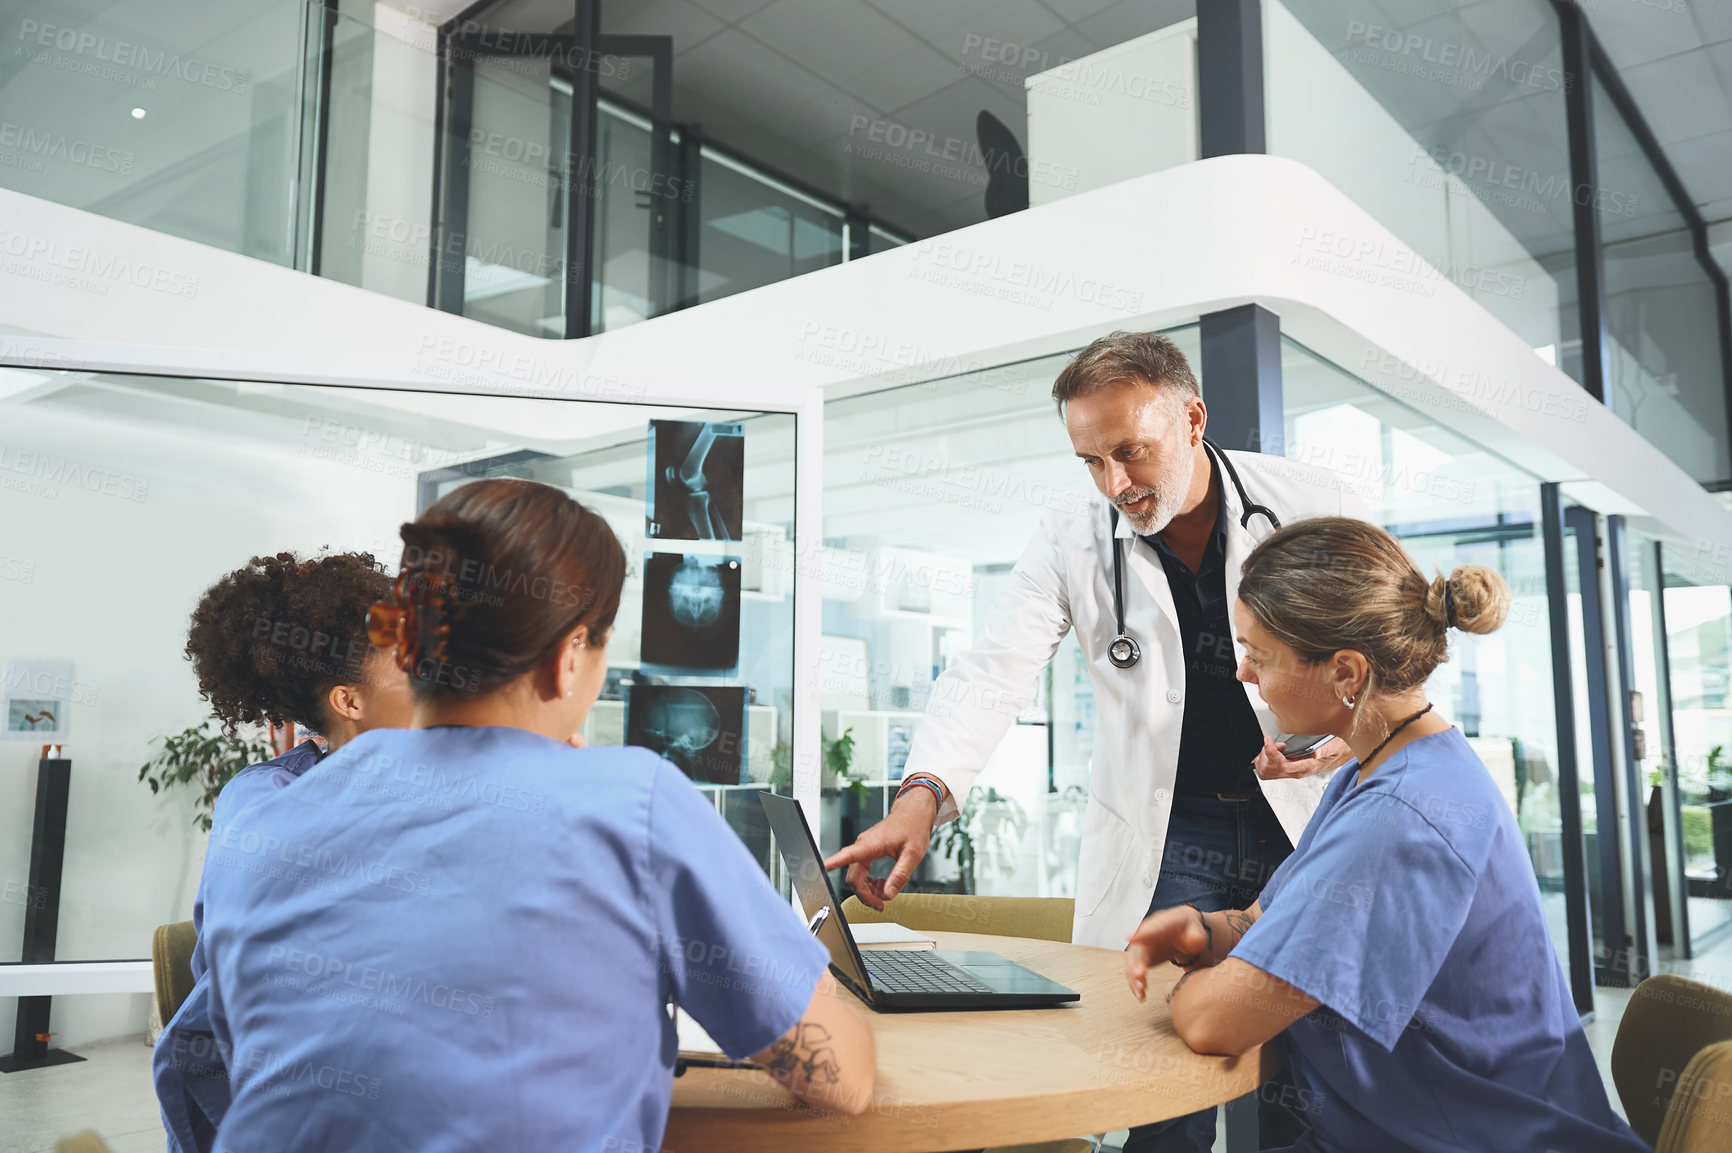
[{"x": 275, "y": 274}]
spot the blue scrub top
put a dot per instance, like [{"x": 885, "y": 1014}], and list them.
[
  {"x": 466, "y": 939},
  {"x": 192, "y": 1086},
  {"x": 1410, "y": 912}
]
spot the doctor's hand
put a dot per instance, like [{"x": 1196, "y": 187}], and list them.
[
  {"x": 1178, "y": 935},
  {"x": 1271, "y": 765},
  {"x": 903, "y": 834}
]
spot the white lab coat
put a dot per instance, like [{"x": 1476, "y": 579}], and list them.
[{"x": 1064, "y": 581}]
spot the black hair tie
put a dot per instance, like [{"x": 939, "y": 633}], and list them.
[{"x": 1449, "y": 604}]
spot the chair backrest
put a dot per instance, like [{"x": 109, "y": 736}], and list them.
[
  {"x": 171, "y": 957},
  {"x": 1699, "y": 1119},
  {"x": 1043, "y": 918},
  {"x": 1668, "y": 1021}
]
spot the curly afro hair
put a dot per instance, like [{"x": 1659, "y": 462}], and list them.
[{"x": 269, "y": 641}]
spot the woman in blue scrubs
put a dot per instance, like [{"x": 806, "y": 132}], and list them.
[
  {"x": 1402, "y": 947},
  {"x": 466, "y": 935},
  {"x": 282, "y": 640}
]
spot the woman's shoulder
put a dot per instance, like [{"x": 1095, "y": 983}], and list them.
[
  {"x": 265, "y": 777},
  {"x": 1439, "y": 786}
]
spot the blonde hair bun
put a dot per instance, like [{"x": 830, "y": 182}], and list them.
[{"x": 1474, "y": 599}]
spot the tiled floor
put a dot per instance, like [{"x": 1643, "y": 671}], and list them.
[
  {"x": 110, "y": 1091},
  {"x": 1711, "y": 966}
]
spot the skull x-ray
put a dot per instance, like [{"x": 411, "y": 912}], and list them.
[
  {"x": 696, "y": 480},
  {"x": 691, "y": 613},
  {"x": 698, "y": 729}
]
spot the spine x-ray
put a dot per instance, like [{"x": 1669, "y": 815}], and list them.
[
  {"x": 696, "y": 480},
  {"x": 698, "y": 729},
  {"x": 691, "y": 614}
]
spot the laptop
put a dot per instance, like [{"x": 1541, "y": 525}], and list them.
[{"x": 897, "y": 980}]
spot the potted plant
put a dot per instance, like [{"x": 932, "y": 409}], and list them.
[
  {"x": 202, "y": 758},
  {"x": 1719, "y": 775},
  {"x": 989, "y": 828},
  {"x": 781, "y": 768},
  {"x": 838, "y": 763}
]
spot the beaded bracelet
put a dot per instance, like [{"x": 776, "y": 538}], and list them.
[{"x": 912, "y": 782}]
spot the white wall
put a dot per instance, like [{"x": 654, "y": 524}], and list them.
[{"x": 113, "y": 581}]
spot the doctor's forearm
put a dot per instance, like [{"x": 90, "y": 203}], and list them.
[{"x": 919, "y": 806}]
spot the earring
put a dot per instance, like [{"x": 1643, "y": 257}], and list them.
[
  {"x": 568, "y": 692},
  {"x": 1348, "y": 701}
]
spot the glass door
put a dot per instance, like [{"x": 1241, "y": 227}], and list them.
[
  {"x": 1697, "y": 607},
  {"x": 1653, "y": 744},
  {"x": 502, "y": 246},
  {"x": 557, "y": 193},
  {"x": 1598, "y": 623}
]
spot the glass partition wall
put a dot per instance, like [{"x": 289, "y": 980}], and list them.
[
  {"x": 1697, "y": 607},
  {"x": 1459, "y": 142},
  {"x": 1665, "y": 377},
  {"x": 933, "y": 490},
  {"x": 126, "y": 496}
]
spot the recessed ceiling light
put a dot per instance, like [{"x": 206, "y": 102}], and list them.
[{"x": 138, "y": 114}]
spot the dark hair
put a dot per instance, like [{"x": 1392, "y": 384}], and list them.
[
  {"x": 494, "y": 574},
  {"x": 1138, "y": 357},
  {"x": 1331, "y": 583},
  {"x": 269, "y": 641}
]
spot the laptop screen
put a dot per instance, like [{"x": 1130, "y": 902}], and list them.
[{"x": 812, "y": 887}]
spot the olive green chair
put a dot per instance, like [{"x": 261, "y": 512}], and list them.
[
  {"x": 1697, "y": 1119},
  {"x": 1042, "y": 918},
  {"x": 171, "y": 957},
  {"x": 1676, "y": 1034}
]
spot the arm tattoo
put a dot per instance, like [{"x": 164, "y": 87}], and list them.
[
  {"x": 1240, "y": 922},
  {"x": 1174, "y": 991},
  {"x": 805, "y": 1054}
]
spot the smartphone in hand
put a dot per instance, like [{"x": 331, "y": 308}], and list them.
[{"x": 1299, "y": 747}]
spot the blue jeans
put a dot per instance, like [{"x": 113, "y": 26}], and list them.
[{"x": 1218, "y": 856}]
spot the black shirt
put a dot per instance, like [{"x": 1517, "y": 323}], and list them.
[{"x": 1220, "y": 736}]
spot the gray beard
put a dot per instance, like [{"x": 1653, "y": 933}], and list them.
[
  {"x": 1168, "y": 499},
  {"x": 1154, "y": 521}
]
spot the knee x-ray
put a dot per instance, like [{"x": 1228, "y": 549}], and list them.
[
  {"x": 696, "y": 480},
  {"x": 691, "y": 614},
  {"x": 698, "y": 729}
]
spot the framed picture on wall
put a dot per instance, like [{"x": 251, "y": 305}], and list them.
[
  {"x": 37, "y": 699},
  {"x": 696, "y": 480},
  {"x": 697, "y": 727}
]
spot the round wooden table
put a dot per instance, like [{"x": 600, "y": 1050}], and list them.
[{"x": 949, "y": 1081}]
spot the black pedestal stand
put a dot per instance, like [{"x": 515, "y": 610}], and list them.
[{"x": 42, "y": 916}]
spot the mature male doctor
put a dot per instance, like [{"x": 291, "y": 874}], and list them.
[{"x": 1191, "y": 798}]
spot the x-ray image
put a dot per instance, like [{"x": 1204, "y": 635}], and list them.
[
  {"x": 696, "y": 480},
  {"x": 698, "y": 729},
  {"x": 691, "y": 614}
]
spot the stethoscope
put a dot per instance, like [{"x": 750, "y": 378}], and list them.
[{"x": 1124, "y": 652}]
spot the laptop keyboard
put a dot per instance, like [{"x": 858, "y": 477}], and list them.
[{"x": 918, "y": 971}]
